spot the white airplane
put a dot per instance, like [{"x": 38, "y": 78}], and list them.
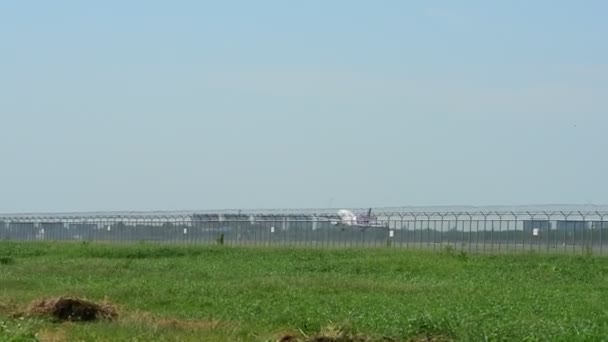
[{"x": 348, "y": 218}]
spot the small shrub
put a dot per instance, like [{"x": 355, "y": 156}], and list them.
[
  {"x": 463, "y": 256},
  {"x": 449, "y": 250}
]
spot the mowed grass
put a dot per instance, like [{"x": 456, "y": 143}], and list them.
[{"x": 180, "y": 293}]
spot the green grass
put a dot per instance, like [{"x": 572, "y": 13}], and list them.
[{"x": 254, "y": 294}]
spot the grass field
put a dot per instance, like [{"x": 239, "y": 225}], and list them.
[{"x": 261, "y": 294}]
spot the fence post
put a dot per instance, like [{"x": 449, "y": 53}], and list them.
[
  {"x": 456, "y": 215},
  {"x": 428, "y": 230},
  {"x": 566, "y": 229},
  {"x": 441, "y": 215},
  {"x": 532, "y": 218},
  {"x": 601, "y": 216},
  {"x": 462, "y": 239},
  {"x": 434, "y": 231},
  {"x": 584, "y": 244},
  {"x": 415, "y": 227},
  {"x": 470, "y": 228},
  {"x": 499, "y": 231},
  {"x": 400, "y": 225},
  {"x": 514, "y": 229},
  {"x": 548, "y": 228},
  {"x": 485, "y": 227}
]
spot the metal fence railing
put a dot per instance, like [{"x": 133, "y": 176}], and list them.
[{"x": 472, "y": 231}]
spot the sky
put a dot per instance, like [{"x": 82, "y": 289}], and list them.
[{"x": 192, "y": 105}]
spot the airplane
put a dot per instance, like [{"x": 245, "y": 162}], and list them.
[{"x": 348, "y": 219}]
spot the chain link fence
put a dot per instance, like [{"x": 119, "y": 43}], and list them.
[{"x": 496, "y": 231}]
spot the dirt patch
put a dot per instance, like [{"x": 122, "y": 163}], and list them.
[
  {"x": 428, "y": 338},
  {"x": 335, "y": 339},
  {"x": 337, "y": 333},
  {"x": 52, "y": 336},
  {"x": 7, "y": 308},
  {"x": 366, "y": 339},
  {"x": 323, "y": 338},
  {"x": 342, "y": 339},
  {"x": 71, "y": 309}
]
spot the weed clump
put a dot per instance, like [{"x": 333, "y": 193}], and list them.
[
  {"x": 453, "y": 252},
  {"x": 71, "y": 309},
  {"x": 426, "y": 328},
  {"x": 6, "y": 260}
]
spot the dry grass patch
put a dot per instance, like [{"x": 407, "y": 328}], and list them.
[
  {"x": 156, "y": 322},
  {"x": 71, "y": 309}
]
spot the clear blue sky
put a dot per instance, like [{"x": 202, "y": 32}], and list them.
[{"x": 136, "y": 105}]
